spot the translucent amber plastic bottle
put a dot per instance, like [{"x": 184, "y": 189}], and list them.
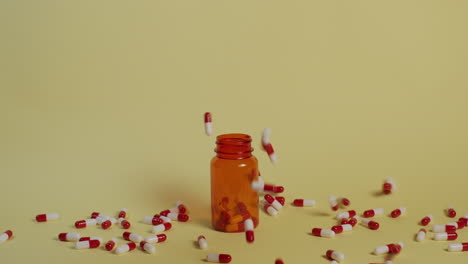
[{"x": 232, "y": 171}]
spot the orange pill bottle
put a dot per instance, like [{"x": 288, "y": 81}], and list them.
[{"x": 232, "y": 171}]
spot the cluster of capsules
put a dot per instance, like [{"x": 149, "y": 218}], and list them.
[
  {"x": 445, "y": 232},
  {"x": 160, "y": 222},
  {"x": 266, "y": 134}
]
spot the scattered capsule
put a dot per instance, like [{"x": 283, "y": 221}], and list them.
[
  {"x": 443, "y": 228},
  {"x": 279, "y": 261},
  {"x": 277, "y": 205},
  {"x": 458, "y": 247},
  {"x": 174, "y": 216},
  {"x": 125, "y": 248},
  {"x": 388, "y": 186},
  {"x": 108, "y": 223},
  {"x": 208, "y": 124},
  {"x": 390, "y": 248},
  {"x": 249, "y": 230},
  {"x": 219, "y": 258},
  {"x": 202, "y": 242},
  {"x": 46, "y": 217},
  {"x": 90, "y": 238},
  {"x": 333, "y": 202},
  {"x": 87, "y": 244},
  {"x": 335, "y": 255},
  {"x": 426, "y": 220},
  {"x": 347, "y": 214},
  {"x": 397, "y": 212},
  {"x": 147, "y": 247},
  {"x": 69, "y": 236},
  {"x": 373, "y": 212},
  {"x": 124, "y": 223},
  {"x": 451, "y": 212},
  {"x": 340, "y": 228},
  {"x": 421, "y": 235},
  {"x": 261, "y": 186},
  {"x": 458, "y": 225},
  {"x": 445, "y": 236},
  {"x": 132, "y": 237},
  {"x": 110, "y": 245},
  {"x": 370, "y": 224},
  {"x": 162, "y": 227},
  {"x": 270, "y": 210},
  {"x": 5, "y": 236},
  {"x": 152, "y": 220},
  {"x": 304, "y": 202},
  {"x": 353, "y": 220},
  {"x": 266, "y": 144},
  {"x": 323, "y": 232},
  {"x": 156, "y": 238},
  {"x": 97, "y": 214},
  {"x": 122, "y": 213},
  {"x": 464, "y": 219},
  {"x": 85, "y": 223},
  {"x": 180, "y": 205},
  {"x": 333, "y": 262},
  {"x": 344, "y": 201}
]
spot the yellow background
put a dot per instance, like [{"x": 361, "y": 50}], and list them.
[{"x": 101, "y": 106}]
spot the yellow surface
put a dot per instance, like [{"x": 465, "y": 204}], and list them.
[{"x": 101, "y": 107}]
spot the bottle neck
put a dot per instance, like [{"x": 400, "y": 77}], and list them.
[{"x": 233, "y": 146}]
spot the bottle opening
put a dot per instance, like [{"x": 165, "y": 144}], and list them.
[{"x": 233, "y": 146}]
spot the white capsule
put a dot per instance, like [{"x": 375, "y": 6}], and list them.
[
  {"x": 125, "y": 248},
  {"x": 165, "y": 219},
  {"x": 257, "y": 185},
  {"x": 276, "y": 205},
  {"x": 270, "y": 210},
  {"x": 332, "y": 201},
  {"x": 202, "y": 242},
  {"x": 133, "y": 237},
  {"x": 309, "y": 202},
  {"x": 421, "y": 236},
  {"x": 337, "y": 256},
  {"x": 334, "y": 262},
  {"x": 456, "y": 247}
]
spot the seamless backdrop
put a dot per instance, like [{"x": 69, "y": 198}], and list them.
[{"x": 102, "y": 102}]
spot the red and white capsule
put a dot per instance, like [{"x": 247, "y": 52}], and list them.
[
  {"x": 458, "y": 247},
  {"x": 110, "y": 245},
  {"x": 161, "y": 228},
  {"x": 266, "y": 144},
  {"x": 323, "y": 232},
  {"x": 335, "y": 255},
  {"x": 132, "y": 237},
  {"x": 373, "y": 212},
  {"x": 90, "y": 238},
  {"x": 260, "y": 186},
  {"x": 122, "y": 213},
  {"x": 270, "y": 210},
  {"x": 69, "y": 236},
  {"x": 147, "y": 247},
  {"x": 344, "y": 201},
  {"x": 389, "y": 186},
  {"x": 275, "y": 203},
  {"x": 219, "y": 258},
  {"x": 181, "y": 206},
  {"x": 202, "y": 242},
  {"x": 397, "y": 212},
  {"x": 279, "y": 261},
  {"x": 249, "y": 230},
  {"x": 340, "y": 228},
  {"x": 125, "y": 224},
  {"x": 125, "y": 248},
  {"x": 390, "y": 248},
  {"x": 87, "y": 244},
  {"x": 47, "y": 217},
  {"x": 333, "y": 202},
  {"x": 464, "y": 219},
  {"x": 97, "y": 214},
  {"x": 347, "y": 214},
  {"x": 373, "y": 225},
  {"x": 426, "y": 220},
  {"x": 421, "y": 235},
  {"x": 108, "y": 223},
  {"x": 458, "y": 225},
  {"x": 208, "y": 124},
  {"x": 5, "y": 236},
  {"x": 174, "y": 216},
  {"x": 156, "y": 238},
  {"x": 445, "y": 236},
  {"x": 353, "y": 220},
  {"x": 451, "y": 212},
  {"x": 152, "y": 220},
  {"x": 304, "y": 202},
  {"x": 85, "y": 223},
  {"x": 443, "y": 228}
]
